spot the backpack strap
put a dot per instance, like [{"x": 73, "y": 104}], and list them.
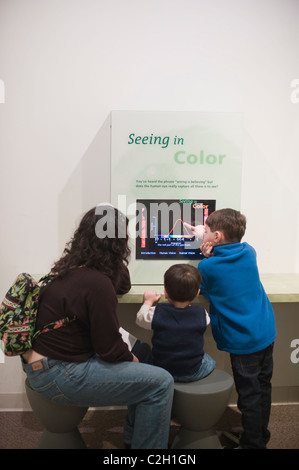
[
  {"x": 43, "y": 282},
  {"x": 53, "y": 326}
]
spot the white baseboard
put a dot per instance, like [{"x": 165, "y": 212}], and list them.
[
  {"x": 14, "y": 402},
  {"x": 19, "y": 402}
]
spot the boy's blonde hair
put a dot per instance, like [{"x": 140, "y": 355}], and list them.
[{"x": 230, "y": 222}]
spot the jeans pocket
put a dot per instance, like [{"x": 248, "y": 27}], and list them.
[
  {"x": 53, "y": 392},
  {"x": 44, "y": 384}
]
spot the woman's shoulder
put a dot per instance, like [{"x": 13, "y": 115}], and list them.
[{"x": 90, "y": 277}]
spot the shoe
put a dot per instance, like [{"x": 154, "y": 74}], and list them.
[{"x": 233, "y": 436}]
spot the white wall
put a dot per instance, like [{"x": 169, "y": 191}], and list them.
[{"x": 66, "y": 64}]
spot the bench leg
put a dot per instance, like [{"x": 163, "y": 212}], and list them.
[{"x": 66, "y": 440}]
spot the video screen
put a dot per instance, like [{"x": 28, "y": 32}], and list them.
[{"x": 162, "y": 230}]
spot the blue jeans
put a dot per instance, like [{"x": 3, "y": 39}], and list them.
[
  {"x": 207, "y": 366},
  {"x": 252, "y": 375},
  {"x": 146, "y": 390}
]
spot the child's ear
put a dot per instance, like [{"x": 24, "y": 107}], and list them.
[
  {"x": 198, "y": 292},
  {"x": 165, "y": 294},
  {"x": 219, "y": 237}
]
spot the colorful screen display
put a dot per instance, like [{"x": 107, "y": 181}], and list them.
[{"x": 162, "y": 228}]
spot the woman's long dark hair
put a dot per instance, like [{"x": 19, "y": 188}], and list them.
[{"x": 97, "y": 247}]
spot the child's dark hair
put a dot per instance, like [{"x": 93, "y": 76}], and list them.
[
  {"x": 229, "y": 221},
  {"x": 182, "y": 282}
]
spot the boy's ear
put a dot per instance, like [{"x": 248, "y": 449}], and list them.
[
  {"x": 219, "y": 237},
  {"x": 165, "y": 294},
  {"x": 198, "y": 292}
]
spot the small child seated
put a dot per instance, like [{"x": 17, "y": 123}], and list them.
[{"x": 178, "y": 326}]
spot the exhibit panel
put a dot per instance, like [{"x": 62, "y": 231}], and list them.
[{"x": 170, "y": 170}]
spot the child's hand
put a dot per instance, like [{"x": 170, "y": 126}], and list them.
[
  {"x": 135, "y": 359},
  {"x": 150, "y": 297},
  {"x": 197, "y": 230},
  {"x": 207, "y": 249}
]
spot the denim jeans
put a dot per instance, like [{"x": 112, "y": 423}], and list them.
[
  {"x": 252, "y": 375},
  {"x": 146, "y": 390},
  {"x": 207, "y": 366}
]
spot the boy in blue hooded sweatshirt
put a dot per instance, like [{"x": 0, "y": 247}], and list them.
[{"x": 242, "y": 318}]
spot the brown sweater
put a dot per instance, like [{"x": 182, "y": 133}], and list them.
[{"x": 90, "y": 295}]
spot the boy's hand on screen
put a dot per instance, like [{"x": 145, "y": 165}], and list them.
[{"x": 196, "y": 230}]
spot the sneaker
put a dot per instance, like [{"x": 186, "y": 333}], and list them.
[{"x": 233, "y": 436}]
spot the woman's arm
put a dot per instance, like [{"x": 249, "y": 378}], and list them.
[{"x": 104, "y": 326}]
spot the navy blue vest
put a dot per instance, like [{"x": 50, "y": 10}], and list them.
[{"x": 178, "y": 338}]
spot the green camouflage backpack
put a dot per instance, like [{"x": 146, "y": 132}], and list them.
[{"x": 18, "y": 314}]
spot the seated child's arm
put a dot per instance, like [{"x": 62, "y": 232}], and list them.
[{"x": 146, "y": 312}]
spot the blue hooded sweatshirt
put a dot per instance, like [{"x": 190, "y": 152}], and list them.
[{"x": 242, "y": 318}]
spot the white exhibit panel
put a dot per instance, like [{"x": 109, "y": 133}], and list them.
[{"x": 170, "y": 170}]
